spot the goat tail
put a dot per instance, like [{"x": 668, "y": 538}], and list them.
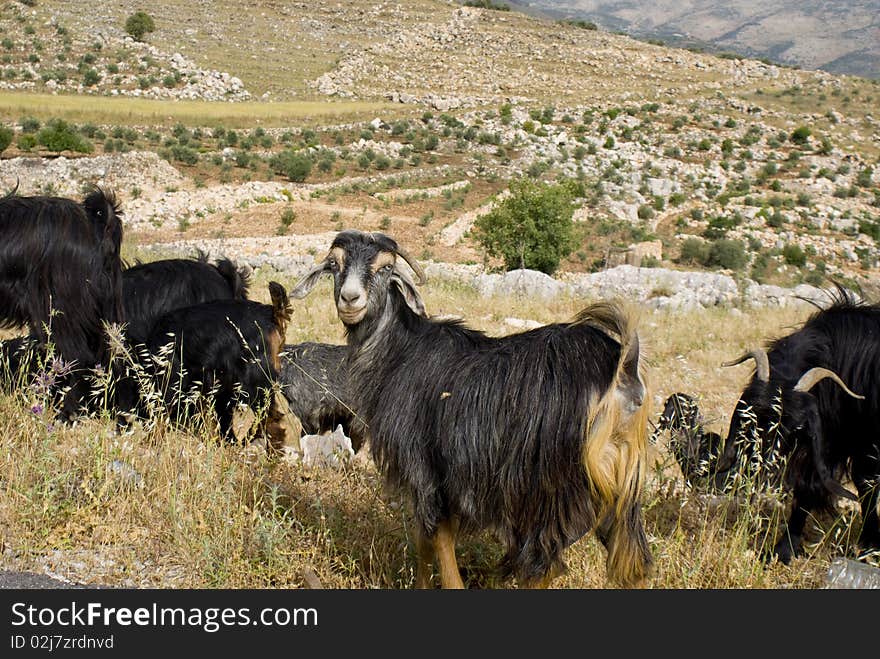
[
  {"x": 238, "y": 278},
  {"x": 616, "y": 446}
]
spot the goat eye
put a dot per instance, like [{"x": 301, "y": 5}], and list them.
[
  {"x": 332, "y": 263},
  {"x": 386, "y": 268}
]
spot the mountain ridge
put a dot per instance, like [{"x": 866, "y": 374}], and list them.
[{"x": 815, "y": 35}]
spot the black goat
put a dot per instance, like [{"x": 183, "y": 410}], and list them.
[
  {"x": 799, "y": 425},
  {"x": 152, "y": 289},
  {"x": 695, "y": 450},
  {"x": 540, "y": 436},
  {"x": 314, "y": 379},
  {"x": 149, "y": 291},
  {"x": 61, "y": 276},
  {"x": 228, "y": 352},
  {"x": 155, "y": 288}
]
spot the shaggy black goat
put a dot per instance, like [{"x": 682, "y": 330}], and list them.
[
  {"x": 539, "y": 436},
  {"x": 149, "y": 291},
  {"x": 152, "y": 289},
  {"x": 810, "y": 415},
  {"x": 314, "y": 379},
  {"x": 228, "y": 352},
  {"x": 695, "y": 450},
  {"x": 61, "y": 276}
]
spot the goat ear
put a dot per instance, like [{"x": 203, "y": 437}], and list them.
[
  {"x": 407, "y": 288},
  {"x": 280, "y": 301},
  {"x": 631, "y": 358},
  {"x": 307, "y": 283}
]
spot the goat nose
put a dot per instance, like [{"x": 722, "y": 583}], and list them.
[{"x": 349, "y": 296}]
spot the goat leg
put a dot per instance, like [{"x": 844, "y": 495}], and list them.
[
  {"x": 424, "y": 561},
  {"x": 789, "y": 545},
  {"x": 444, "y": 547}
]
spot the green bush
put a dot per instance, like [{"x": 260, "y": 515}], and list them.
[
  {"x": 532, "y": 228},
  {"x": 139, "y": 24},
  {"x": 729, "y": 254},
  {"x": 6, "y": 135},
  {"x": 794, "y": 255},
  {"x": 91, "y": 78},
  {"x": 29, "y": 124},
  {"x": 26, "y": 142},
  {"x": 800, "y": 135},
  {"x": 487, "y": 4},
  {"x": 184, "y": 154},
  {"x": 645, "y": 212},
  {"x": 292, "y": 164},
  {"x": 694, "y": 251},
  {"x": 58, "y": 135}
]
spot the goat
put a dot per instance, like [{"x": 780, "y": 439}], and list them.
[
  {"x": 152, "y": 289},
  {"x": 801, "y": 423},
  {"x": 227, "y": 350},
  {"x": 695, "y": 450},
  {"x": 61, "y": 276},
  {"x": 540, "y": 436},
  {"x": 155, "y": 288},
  {"x": 314, "y": 380}
]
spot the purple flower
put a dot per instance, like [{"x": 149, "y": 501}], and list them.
[{"x": 37, "y": 409}]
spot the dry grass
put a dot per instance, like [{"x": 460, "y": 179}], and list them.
[
  {"x": 178, "y": 509},
  {"x": 123, "y": 111}
]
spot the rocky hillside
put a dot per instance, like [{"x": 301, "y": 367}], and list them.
[
  {"x": 682, "y": 160},
  {"x": 841, "y": 37}
]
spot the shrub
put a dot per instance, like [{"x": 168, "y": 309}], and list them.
[
  {"x": 6, "y": 135},
  {"x": 26, "y": 142},
  {"x": 29, "y": 124},
  {"x": 800, "y": 135},
  {"x": 719, "y": 226},
  {"x": 729, "y": 254},
  {"x": 794, "y": 255},
  {"x": 532, "y": 228},
  {"x": 694, "y": 251},
  {"x": 91, "y": 77},
  {"x": 645, "y": 212},
  {"x": 58, "y": 135},
  {"x": 292, "y": 164},
  {"x": 487, "y": 4},
  {"x": 184, "y": 154},
  {"x": 139, "y": 24}
]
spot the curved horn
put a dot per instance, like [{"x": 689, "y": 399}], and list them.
[
  {"x": 416, "y": 268},
  {"x": 762, "y": 362},
  {"x": 815, "y": 375}
]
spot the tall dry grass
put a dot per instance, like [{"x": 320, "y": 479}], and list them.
[
  {"x": 127, "y": 111},
  {"x": 180, "y": 509}
]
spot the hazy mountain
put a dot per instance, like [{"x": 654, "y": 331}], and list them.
[{"x": 842, "y": 36}]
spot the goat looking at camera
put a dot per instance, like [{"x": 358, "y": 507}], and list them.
[{"x": 539, "y": 436}]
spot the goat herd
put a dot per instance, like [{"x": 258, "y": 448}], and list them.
[{"x": 539, "y": 436}]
